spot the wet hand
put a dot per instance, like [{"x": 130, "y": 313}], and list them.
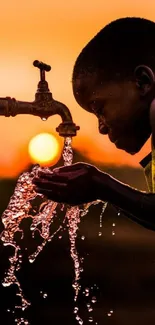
[{"x": 73, "y": 185}]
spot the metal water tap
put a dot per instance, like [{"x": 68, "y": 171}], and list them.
[{"x": 43, "y": 106}]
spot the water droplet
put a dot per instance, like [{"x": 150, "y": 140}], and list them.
[
  {"x": 90, "y": 309},
  {"x": 80, "y": 322},
  {"x": 86, "y": 292},
  {"x": 6, "y": 284},
  {"x": 31, "y": 260},
  {"x": 62, "y": 207},
  {"x": 45, "y": 295},
  {"x": 94, "y": 300},
  {"x": 90, "y": 319},
  {"x": 111, "y": 311},
  {"x": 8, "y": 310},
  {"x": 118, "y": 213},
  {"x": 100, "y": 233},
  {"x": 113, "y": 233},
  {"x": 44, "y": 118},
  {"x": 60, "y": 237},
  {"x": 113, "y": 224},
  {"x": 82, "y": 237},
  {"x": 109, "y": 314},
  {"x": 76, "y": 310}
]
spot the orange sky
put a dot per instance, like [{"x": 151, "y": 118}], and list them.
[{"x": 54, "y": 32}]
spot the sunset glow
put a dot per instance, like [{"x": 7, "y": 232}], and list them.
[{"x": 44, "y": 149}]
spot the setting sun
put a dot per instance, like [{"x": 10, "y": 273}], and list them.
[{"x": 44, "y": 149}]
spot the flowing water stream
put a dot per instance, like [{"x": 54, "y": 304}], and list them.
[{"x": 21, "y": 206}]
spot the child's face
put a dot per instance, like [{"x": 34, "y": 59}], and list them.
[{"x": 122, "y": 114}]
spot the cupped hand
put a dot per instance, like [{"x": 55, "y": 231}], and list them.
[{"x": 73, "y": 185}]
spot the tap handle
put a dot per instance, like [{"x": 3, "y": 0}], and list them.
[{"x": 42, "y": 66}]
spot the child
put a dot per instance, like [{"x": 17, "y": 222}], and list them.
[{"x": 114, "y": 78}]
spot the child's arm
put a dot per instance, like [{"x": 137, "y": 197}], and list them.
[{"x": 138, "y": 206}]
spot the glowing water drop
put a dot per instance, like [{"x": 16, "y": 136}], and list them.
[
  {"x": 45, "y": 295},
  {"x": 44, "y": 118},
  {"x": 76, "y": 310},
  {"x": 100, "y": 233},
  {"x": 89, "y": 307},
  {"x": 83, "y": 237},
  {"x": 90, "y": 319},
  {"x": 80, "y": 322},
  {"x": 21, "y": 321},
  {"x": 86, "y": 292},
  {"x": 94, "y": 300}
]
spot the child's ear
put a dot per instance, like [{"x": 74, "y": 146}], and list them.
[{"x": 145, "y": 79}]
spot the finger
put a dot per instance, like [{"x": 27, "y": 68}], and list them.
[
  {"x": 57, "y": 178},
  {"x": 61, "y": 171},
  {"x": 46, "y": 175},
  {"x": 51, "y": 195},
  {"x": 42, "y": 173},
  {"x": 49, "y": 185},
  {"x": 70, "y": 168},
  {"x": 67, "y": 175},
  {"x": 53, "y": 177}
]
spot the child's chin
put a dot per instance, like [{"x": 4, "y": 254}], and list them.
[{"x": 131, "y": 150}]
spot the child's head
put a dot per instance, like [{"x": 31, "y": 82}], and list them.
[{"x": 107, "y": 83}]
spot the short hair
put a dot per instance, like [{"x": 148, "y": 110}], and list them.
[{"x": 117, "y": 49}]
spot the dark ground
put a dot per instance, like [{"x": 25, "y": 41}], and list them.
[{"x": 122, "y": 266}]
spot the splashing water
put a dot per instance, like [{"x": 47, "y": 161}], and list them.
[{"x": 19, "y": 207}]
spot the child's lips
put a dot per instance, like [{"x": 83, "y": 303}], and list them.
[{"x": 103, "y": 128}]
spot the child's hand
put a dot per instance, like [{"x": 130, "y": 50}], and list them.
[{"x": 73, "y": 185}]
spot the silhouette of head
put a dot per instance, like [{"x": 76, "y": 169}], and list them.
[{"x": 113, "y": 78}]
